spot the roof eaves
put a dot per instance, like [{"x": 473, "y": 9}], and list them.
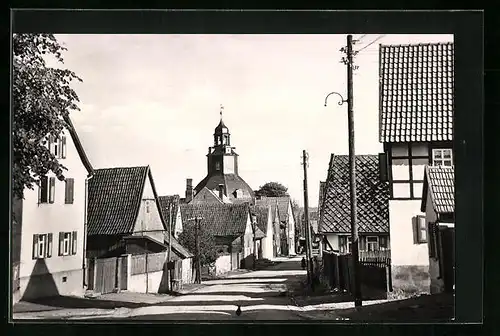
[{"x": 79, "y": 147}]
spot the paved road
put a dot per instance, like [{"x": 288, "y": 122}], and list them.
[{"x": 260, "y": 294}]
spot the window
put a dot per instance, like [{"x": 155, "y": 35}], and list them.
[
  {"x": 42, "y": 246},
  {"x": 345, "y": 243},
  {"x": 58, "y": 146},
  {"x": 67, "y": 243},
  {"x": 420, "y": 229},
  {"x": 383, "y": 243},
  {"x": 46, "y": 191},
  {"x": 372, "y": 243},
  {"x": 442, "y": 157},
  {"x": 69, "y": 191},
  {"x": 217, "y": 165}
]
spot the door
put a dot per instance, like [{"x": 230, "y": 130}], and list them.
[
  {"x": 105, "y": 274},
  {"x": 448, "y": 255}
]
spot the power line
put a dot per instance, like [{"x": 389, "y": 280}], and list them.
[{"x": 378, "y": 38}]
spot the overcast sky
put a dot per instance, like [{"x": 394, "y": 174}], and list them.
[{"x": 154, "y": 100}]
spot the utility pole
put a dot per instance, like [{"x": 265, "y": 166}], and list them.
[
  {"x": 169, "y": 271},
  {"x": 306, "y": 222},
  {"x": 352, "y": 173},
  {"x": 197, "y": 220}
]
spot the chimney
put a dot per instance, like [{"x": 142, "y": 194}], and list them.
[
  {"x": 221, "y": 191},
  {"x": 189, "y": 190}
]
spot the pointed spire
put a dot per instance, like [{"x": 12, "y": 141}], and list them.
[{"x": 221, "y": 109}]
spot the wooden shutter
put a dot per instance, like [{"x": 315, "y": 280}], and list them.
[
  {"x": 51, "y": 144},
  {"x": 73, "y": 243},
  {"x": 49, "y": 246},
  {"x": 34, "y": 254},
  {"x": 422, "y": 229},
  {"x": 362, "y": 243},
  {"x": 68, "y": 192},
  {"x": 63, "y": 147},
  {"x": 61, "y": 242},
  {"x": 44, "y": 190},
  {"x": 382, "y": 166},
  {"x": 52, "y": 189}
]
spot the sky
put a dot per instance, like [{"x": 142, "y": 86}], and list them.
[{"x": 155, "y": 100}]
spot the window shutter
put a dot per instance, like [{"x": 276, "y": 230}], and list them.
[
  {"x": 73, "y": 244},
  {"x": 382, "y": 166},
  {"x": 43, "y": 189},
  {"x": 52, "y": 189},
  {"x": 61, "y": 241},
  {"x": 362, "y": 243},
  {"x": 51, "y": 144},
  {"x": 49, "y": 245},
  {"x": 71, "y": 190},
  {"x": 63, "y": 147},
  {"x": 422, "y": 229},
  {"x": 35, "y": 247}
]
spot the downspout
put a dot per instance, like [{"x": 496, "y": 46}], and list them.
[{"x": 84, "y": 261}]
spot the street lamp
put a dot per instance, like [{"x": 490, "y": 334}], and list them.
[{"x": 341, "y": 101}]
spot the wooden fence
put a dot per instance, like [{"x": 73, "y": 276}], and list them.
[
  {"x": 155, "y": 262},
  {"x": 374, "y": 271}
]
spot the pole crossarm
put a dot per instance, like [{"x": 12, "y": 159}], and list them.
[{"x": 341, "y": 101}]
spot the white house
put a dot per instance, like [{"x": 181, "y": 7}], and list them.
[
  {"x": 52, "y": 223},
  {"x": 264, "y": 217},
  {"x": 416, "y": 128}
]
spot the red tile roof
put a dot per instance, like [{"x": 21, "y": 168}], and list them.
[
  {"x": 114, "y": 199},
  {"x": 416, "y": 92},
  {"x": 440, "y": 182},
  {"x": 372, "y": 197},
  {"x": 223, "y": 220}
]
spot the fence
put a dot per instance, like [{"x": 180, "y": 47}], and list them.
[
  {"x": 154, "y": 261},
  {"x": 374, "y": 272}
]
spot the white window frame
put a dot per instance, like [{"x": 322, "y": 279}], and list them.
[
  {"x": 421, "y": 229},
  {"x": 67, "y": 240},
  {"x": 40, "y": 246},
  {"x": 441, "y": 161},
  {"x": 374, "y": 243}
]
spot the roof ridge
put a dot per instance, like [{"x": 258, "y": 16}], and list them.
[
  {"x": 115, "y": 168},
  {"x": 416, "y": 44}
]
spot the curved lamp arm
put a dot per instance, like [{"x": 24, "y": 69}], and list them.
[{"x": 341, "y": 101}]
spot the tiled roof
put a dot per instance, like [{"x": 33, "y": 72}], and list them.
[
  {"x": 231, "y": 183},
  {"x": 218, "y": 219},
  {"x": 282, "y": 203},
  {"x": 166, "y": 202},
  {"x": 440, "y": 182},
  {"x": 416, "y": 92},
  {"x": 262, "y": 213},
  {"x": 372, "y": 197},
  {"x": 114, "y": 199}
]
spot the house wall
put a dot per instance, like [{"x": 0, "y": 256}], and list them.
[
  {"x": 267, "y": 241},
  {"x": 407, "y": 169},
  {"x": 291, "y": 231},
  {"x": 223, "y": 264},
  {"x": 205, "y": 196},
  {"x": 148, "y": 220},
  {"x": 58, "y": 274},
  {"x": 410, "y": 261},
  {"x": 178, "y": 223},
  {"x": 248, "y": 239}
]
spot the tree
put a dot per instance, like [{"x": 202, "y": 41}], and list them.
[
  {"x": 272, "y": 189},
  {"x": 42, "y": 99},
  {"x": 208, "y": 248}
]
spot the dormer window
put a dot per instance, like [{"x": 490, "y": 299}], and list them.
[
  {"x": 228, "y": 150},
  {"x": 442, "y": 157}
]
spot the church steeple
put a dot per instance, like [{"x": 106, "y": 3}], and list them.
[{"x": 222, "y": 137}]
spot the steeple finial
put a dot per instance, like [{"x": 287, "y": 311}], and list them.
[{"x": 221, "y": 109}]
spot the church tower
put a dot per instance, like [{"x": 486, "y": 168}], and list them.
[{"x": 222, "y": 169}]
